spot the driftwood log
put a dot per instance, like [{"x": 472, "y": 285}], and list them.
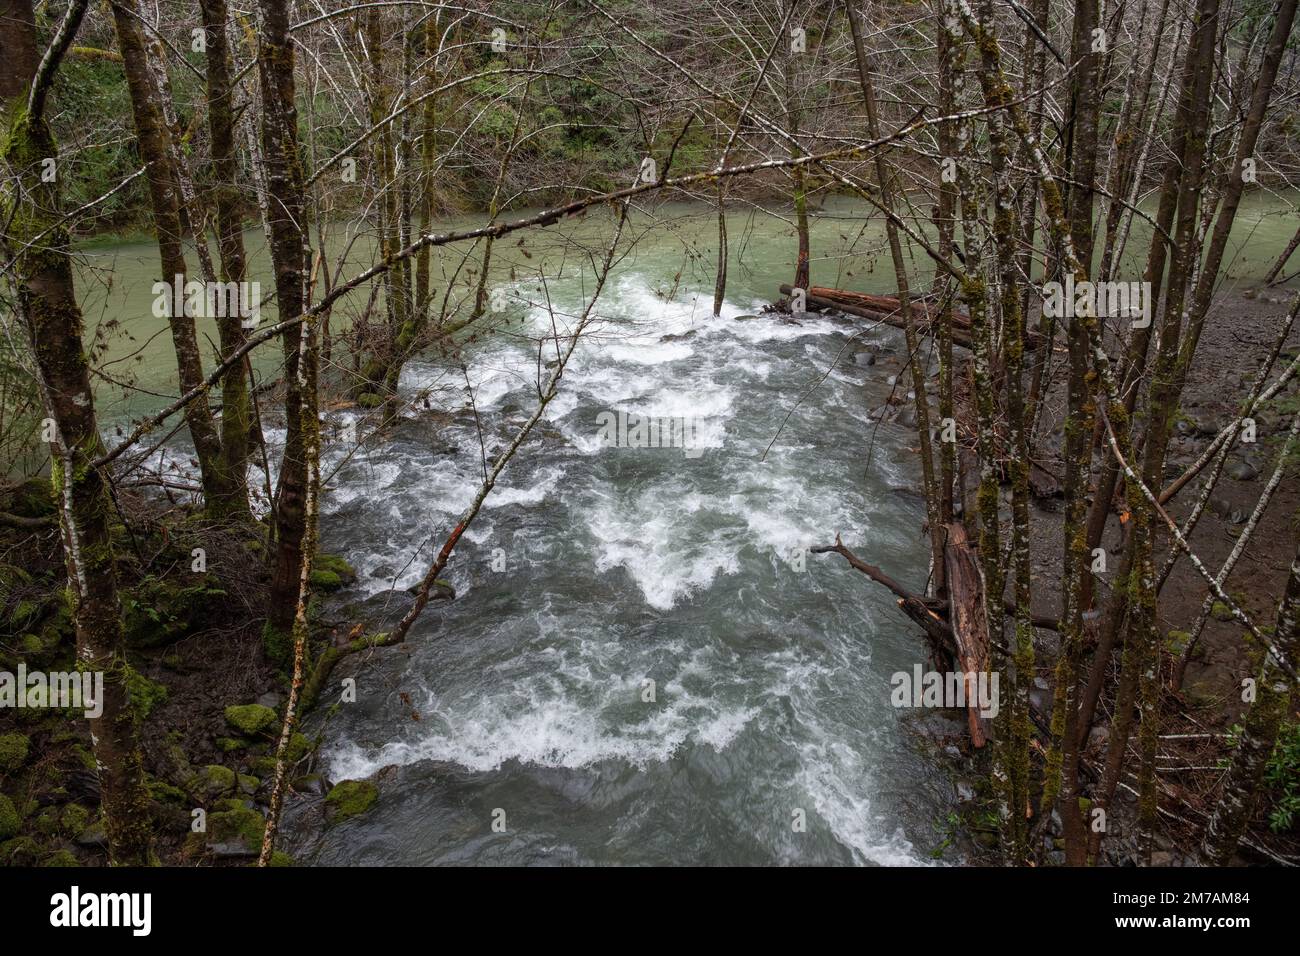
[
  {"x": 887, "y": 309},
  {"x": 966, "y": 616}
]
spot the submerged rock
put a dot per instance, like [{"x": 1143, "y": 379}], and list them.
[{"x": 350, "y": 798}]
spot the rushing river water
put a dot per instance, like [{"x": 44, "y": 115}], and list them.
[{"x": 642, "y": 663}]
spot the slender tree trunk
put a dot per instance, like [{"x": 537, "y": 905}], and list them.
[
  {"x": 922, "y": 403},
  {"x": 1282, "y": 259},
  {"x": 290, "y": 255}
]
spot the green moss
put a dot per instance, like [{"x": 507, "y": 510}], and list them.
[
  {"x": 214, "y": 780},
  {"x": 277, "y": 645},
  {"x": 85, "y": 756},
  {"x": 13, "y": 751},
  {"x": 230, "y": 744},
  {"x": 350, "y": 798},
  {"x": 74, "y": 819},
  {"x": 299, "y": 747},
  {"x": 47, "y": 822},
  {"x": 250, "y": 719},
  {"x": 370, "y": 400},
  {"x": 1220, "y": 611},
  {"x": 329, "y": 572},
  {"x": 20, "y": 851},
  {"x": 164, "y": 792},
  {"x": 61, "y": 858},
  {"x": 280, "y": 858},
  {"x": 323, "y": 580},
  {"x": 24, "y": 614},
  {"x": 145, "y": 694},
  {"x": 241, "y": 826},
  {"x": 9, "y": 820},
  {"x": 158, "y": 612}
]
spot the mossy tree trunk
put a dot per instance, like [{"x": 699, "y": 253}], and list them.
[
  {"x": 290, "y": 255},
  {"x": 46, "y": 302},
  {"x": 236, "y": 411}
]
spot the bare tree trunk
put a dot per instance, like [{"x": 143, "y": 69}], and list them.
[
  {"x": 290, "y": 255},
  {"x": 922, "y": 403}
]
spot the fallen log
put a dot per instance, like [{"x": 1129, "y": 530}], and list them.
[
  {"x": 887, "y": 309},
  {"x": 969, "y": 625},
  {"x": 960, "y": 336}
]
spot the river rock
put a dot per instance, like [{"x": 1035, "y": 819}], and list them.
[
  {"x": 1242, "y": 471},
  {"x": 1227, "y": 511}
]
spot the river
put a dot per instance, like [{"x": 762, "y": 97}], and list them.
[{"x": 642, "y": 665}]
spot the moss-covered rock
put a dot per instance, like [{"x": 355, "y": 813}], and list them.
[
  {"x": 329, "y": 572},
  {"x": 250, "y": 719},
  {"x": 280, "y": 858},
  {"x": 213, "y": 781},
  {"x": 145, "y": 694},
  {"x": 34, "y": 498},
  {"x": 1220, "y": 611},
  {"x": 13, "y": 751},
  {"x": 47, "y": 822},
  {"x": 61, "y": 858},
  {"x": 242, "y": 828},
  {"x": 164, "y": 792},
  {"x": 74, "y": 819},
  {"x": 20, "y": 851},
  {"x": 158, "y": 612},
  {"x": 370, "y": 400},
  {"x": 10, "y": 822},
  {"x": 350, "y": 798}
]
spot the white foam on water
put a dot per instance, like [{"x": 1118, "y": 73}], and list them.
[
  {"x": 533, "y": 726},
  {"x": 660, "y": 548}
]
